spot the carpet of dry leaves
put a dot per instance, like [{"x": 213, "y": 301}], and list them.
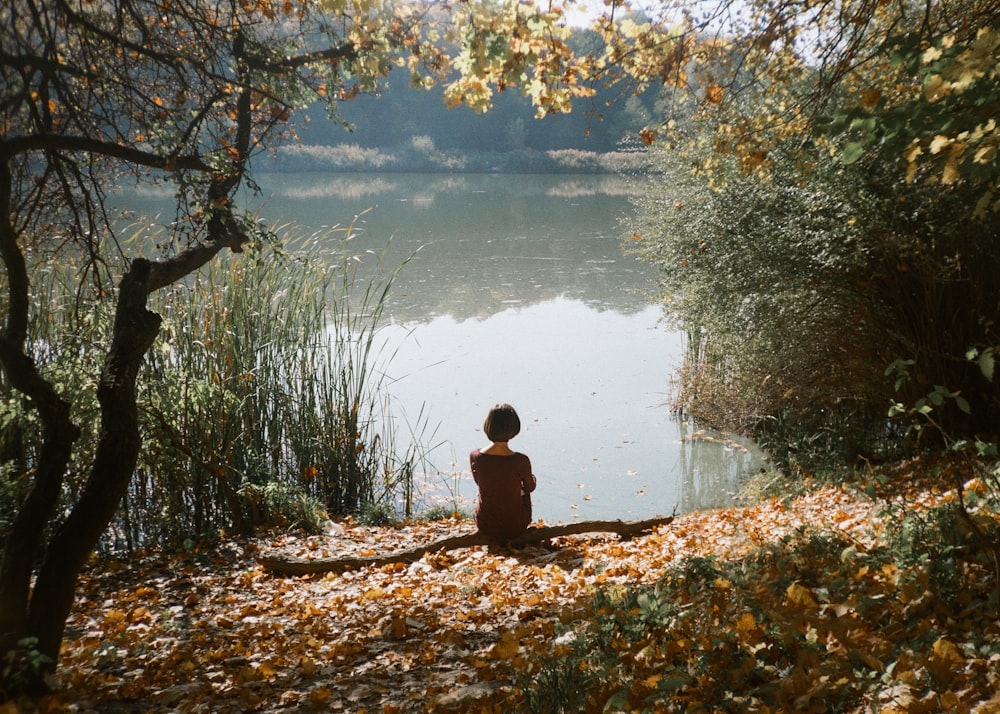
[{"x": 460, "y": 631}]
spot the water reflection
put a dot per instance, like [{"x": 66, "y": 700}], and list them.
[
  {"x": 712, "y": 467},
  {"x": 340, "y": 187},
  {"x": 350, "y": 187},
  {"x": 480, "y": 243},
  {"x": 591, "y": 387},
  {"x": 518, "y": 289}
]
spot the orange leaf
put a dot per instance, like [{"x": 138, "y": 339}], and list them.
[
  {"x": 714, "y": 93},
  {"x": 746, "y": 622},
  {"x": 799, "y": 596},
  {"x": 507, "y": 647}
]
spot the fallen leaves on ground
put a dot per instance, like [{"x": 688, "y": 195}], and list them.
[{"x": 462, "y": 630}]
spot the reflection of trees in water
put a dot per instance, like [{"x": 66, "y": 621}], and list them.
[
  {"x": 604, "y": 186},
  {"x": 482, "y": 286},
  {"x": 477, "y": 244},
  {"x": 490, "y": 243},
  {"x": 306, "y": 186},
  {"x": 343, "y": 188},
  {"x": 429, "y": 186},
  {"x": 713, "y": 467}
]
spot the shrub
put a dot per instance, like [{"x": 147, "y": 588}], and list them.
[{"x": 799, "y": 288}]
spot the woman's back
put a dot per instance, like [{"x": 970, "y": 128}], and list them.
[{"x": 505, "y": 480}]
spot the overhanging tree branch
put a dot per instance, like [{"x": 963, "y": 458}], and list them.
[
  {"x": 228, "y": 234},
  {"x": 80, "y": 144}
]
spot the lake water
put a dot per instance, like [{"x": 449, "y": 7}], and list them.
[{"x": 519, "y": 290}]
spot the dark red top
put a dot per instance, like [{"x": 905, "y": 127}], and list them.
[{"x": 503, "y": 511}]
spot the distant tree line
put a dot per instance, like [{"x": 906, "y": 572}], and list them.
[{"x": 403, "y": 127}]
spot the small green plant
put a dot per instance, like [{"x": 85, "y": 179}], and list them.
[
  {"x": 920, "y": 415},
  {"x": 559, "y": 686},
  {"x": 23, "y": 668},
  {"x": 927, "y": 553},
  {"x": 770, "y": 483},
  {"x": 926, "y": 412},
  {"x": 698, "y": 571},
  {"x": 377, "y": 514},
  {"x": 443, "y": 512},
  {"x": 284, "y": 505}
]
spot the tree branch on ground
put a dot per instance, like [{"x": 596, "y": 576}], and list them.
[{"x": 284, "y": 564}]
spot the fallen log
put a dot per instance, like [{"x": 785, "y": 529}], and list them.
[{"x": 284, "y": 564}]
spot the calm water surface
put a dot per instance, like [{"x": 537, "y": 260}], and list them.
[{"x": 518, "y": 289}]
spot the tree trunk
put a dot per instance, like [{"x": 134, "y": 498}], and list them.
[
  {"x": 28, "y": 530},
  {"x": 58, "y": 435},
  {"x": 135, "y": 329},
  {"x": 283, "y": 564}
]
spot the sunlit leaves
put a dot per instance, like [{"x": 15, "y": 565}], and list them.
[
  {"x": 984, "y": 359},
  {"x": 525, "y": 47},
  {"x": 964, "y": 82},
  {"x": 517, "y": 45},
  {"x": 787, "y": 601},
  {"x": 778, "y": 68},
  {"x": 942, "y": 130}
]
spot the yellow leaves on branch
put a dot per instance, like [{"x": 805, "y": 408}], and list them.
[
  {"x": 977, "y": 61},
  {"x": 936, "y": 88},
  {"x": 870, "y": 98},
  {"x": 520, "y": 46},
  {"x": 525, "y": 46},
  {"x": 961, "y": 72},
  {"x": 649, "y": 52}
]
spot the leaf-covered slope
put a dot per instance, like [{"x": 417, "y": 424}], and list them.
[{"x": 780, "y": 604}]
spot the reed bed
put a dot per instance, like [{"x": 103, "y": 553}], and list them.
[{"x": 264, "y": 402}]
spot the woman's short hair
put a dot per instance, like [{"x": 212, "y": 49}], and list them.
[{"x": 502, "y": 423}]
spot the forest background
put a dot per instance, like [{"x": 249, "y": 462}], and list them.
[{"x": 406, "y": 128}]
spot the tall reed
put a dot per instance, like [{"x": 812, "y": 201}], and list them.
[
  {"x": 263, "y": 403},
  {"x": 270, "y": 386}
]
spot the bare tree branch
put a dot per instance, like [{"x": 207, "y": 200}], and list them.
[{"x": 80, "y": 144}]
